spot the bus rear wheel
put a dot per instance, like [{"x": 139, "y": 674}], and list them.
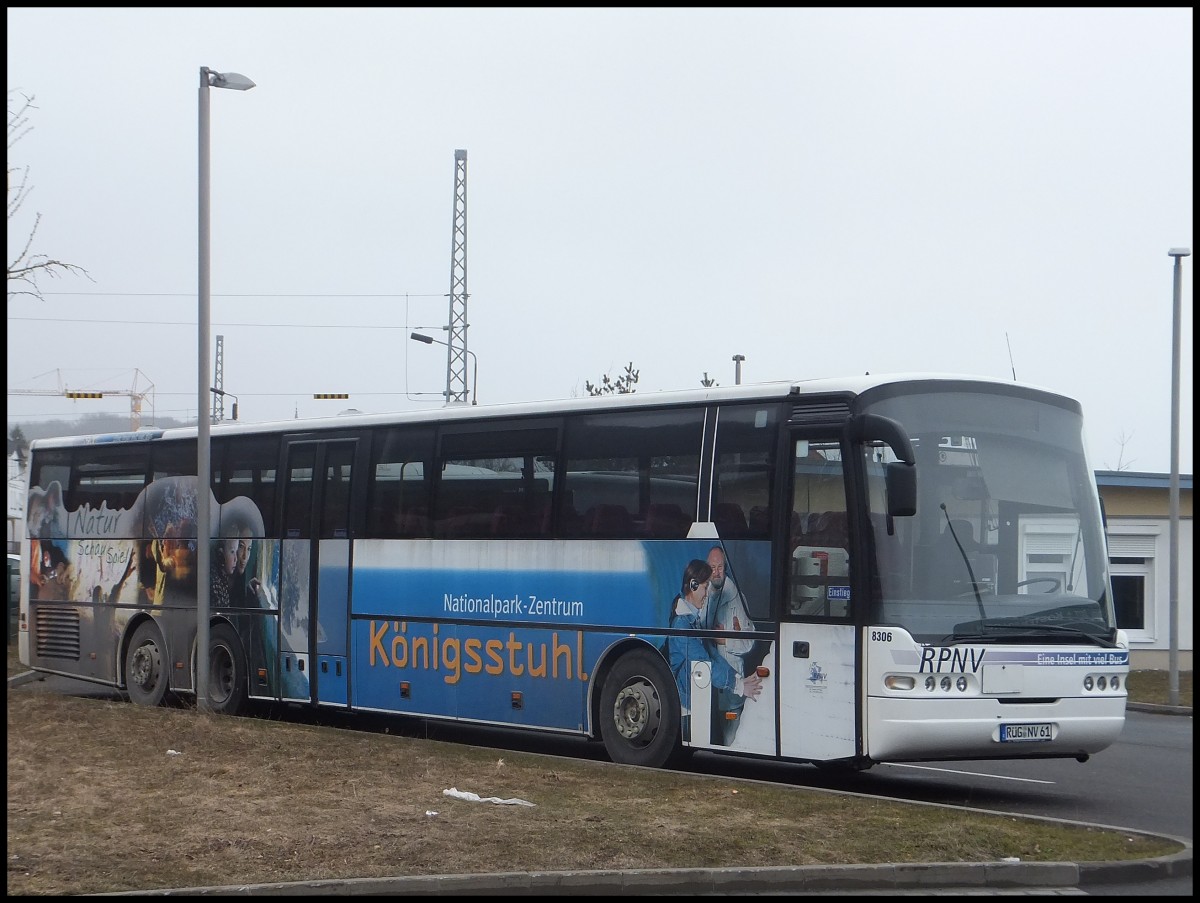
[
  {"x": 226, "y": 671},
  {"x": 639, "y": 711},
  {"x": 146, "y": 671}
]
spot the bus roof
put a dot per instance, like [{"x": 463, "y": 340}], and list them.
[{"x": 764, "y": 391}]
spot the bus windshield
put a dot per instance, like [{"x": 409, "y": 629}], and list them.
[{"x": 1007, "y": 544}]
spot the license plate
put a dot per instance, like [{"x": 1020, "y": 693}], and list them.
[{"x": 1026, "y": 733}]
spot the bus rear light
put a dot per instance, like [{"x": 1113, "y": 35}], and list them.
[
  {"x": 731, "y": 716},
  {"x": 900, "y": 682}
]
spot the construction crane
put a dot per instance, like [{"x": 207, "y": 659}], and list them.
[{"x": 138, "y": 392}]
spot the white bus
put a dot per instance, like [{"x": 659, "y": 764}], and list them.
[{"x": 840, "y": 571}]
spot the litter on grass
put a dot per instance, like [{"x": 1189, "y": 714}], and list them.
[{"x": 476, "y": 798}]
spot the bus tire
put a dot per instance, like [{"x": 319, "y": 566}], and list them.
[
  {"x": 639, "y": 711},
  {"x": 147, "y": 667},
  {"x": 226, "y": 671}
]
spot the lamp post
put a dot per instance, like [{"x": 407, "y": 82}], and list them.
[
  {"x": 225, "y": 394},
  {"x": 430, "y": 340},
  {"x": 1173, "y": 598},
  {"x": 235, "y": 81}
]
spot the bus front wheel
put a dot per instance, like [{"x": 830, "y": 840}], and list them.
[
  {"x": 146, "y": 671},
  {"x": 639, "y": 711},
  {"x": 226, "y": 671}
]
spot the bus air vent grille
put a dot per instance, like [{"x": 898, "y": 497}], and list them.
[
  {"x": 58, "y": 633},
  {"x": 821, "y": 412}
]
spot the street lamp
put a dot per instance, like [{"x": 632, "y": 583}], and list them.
[
  {"x": 224, "y": 394},
  {"x": 430, "y": 340},
  {"x": 237, "y": 82},
  {"x": 1173, "y": 598}
]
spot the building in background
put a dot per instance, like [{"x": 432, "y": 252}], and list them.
[
  {"x": 1137, "y": 507},
  {"x": 16, "y": 500}
]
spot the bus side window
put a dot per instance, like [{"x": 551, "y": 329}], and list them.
[
  {"x": 399, "y": 491},
  {"x": 112, "y": 478},
  {"x": 633, "y": 474},
  {"x": 246, "y": 466},
  {"x": 495, "y": 482},
  {"x": 745, "y": 469},
  {"x": 297, "y": 504},
  {"x": 335, "y": 502},
  {"x": 819, "y": 542}
]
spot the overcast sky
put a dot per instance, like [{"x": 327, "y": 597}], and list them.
[{"x": 826, "y": 192}]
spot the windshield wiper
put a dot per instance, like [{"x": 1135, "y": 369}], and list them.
[
  {"x": 991, "y": 630},
  {"x": 966, "y": 560}
]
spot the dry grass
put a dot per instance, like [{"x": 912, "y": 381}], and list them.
[
  {"x": 107, "y": 796},
  {"x": 246, "y": 800},
  {"x": 1153, "y": 687}
]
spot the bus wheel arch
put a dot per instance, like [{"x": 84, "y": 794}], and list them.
[
  {"x": 146, "y": 665},
  {"x": 637, "y": 708},
  {"x": 227, "y": 676}
]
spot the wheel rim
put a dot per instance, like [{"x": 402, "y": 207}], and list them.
[
  {"x": 146, "y": 666},
  {"x": 637, "y": 712},
  {"x": 220, "y": 674}
]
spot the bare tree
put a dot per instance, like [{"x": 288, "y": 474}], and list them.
[
  {"x": 622, "y": 385},
  {"x": 27, "y": 267},
  {"x": 1122, "y": 464}
]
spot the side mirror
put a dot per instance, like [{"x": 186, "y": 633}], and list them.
[
  {"x": 900, "y": 477},
  {"x": 901, "y": 482},
  {"x": 868, "y": 427}
]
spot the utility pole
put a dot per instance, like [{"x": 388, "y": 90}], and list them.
[
  {"x": 1173, "y": 492},
  {"x": 218, "y": 408},
  {"x": 456, "y": 355}
]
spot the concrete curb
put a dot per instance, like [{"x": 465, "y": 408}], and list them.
[
  {"x": 724, "y": 882},
  {"x": 18, "y": 680},
  {"x": 1159, "y": 709}
]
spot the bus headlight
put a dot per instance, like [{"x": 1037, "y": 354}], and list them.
[
  {"x": 930, "y": 683},
  {"x": 1115, "y": 683},
  {"x": 961, "y": 683},
  {"x": 1101, "y": 683},
  {"x": 900, "y": 682},
  {"x": 946, "y": 684},
  {"x": 1087, "y": 683}
]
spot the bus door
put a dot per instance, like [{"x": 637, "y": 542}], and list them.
[
  {"x": 315, "y": 579},
  {"x": 817, "y": 650}
]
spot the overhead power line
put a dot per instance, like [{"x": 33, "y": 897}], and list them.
[
  {"x": 192, "y": 323},
  {"x": 245, "y": 295}
]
